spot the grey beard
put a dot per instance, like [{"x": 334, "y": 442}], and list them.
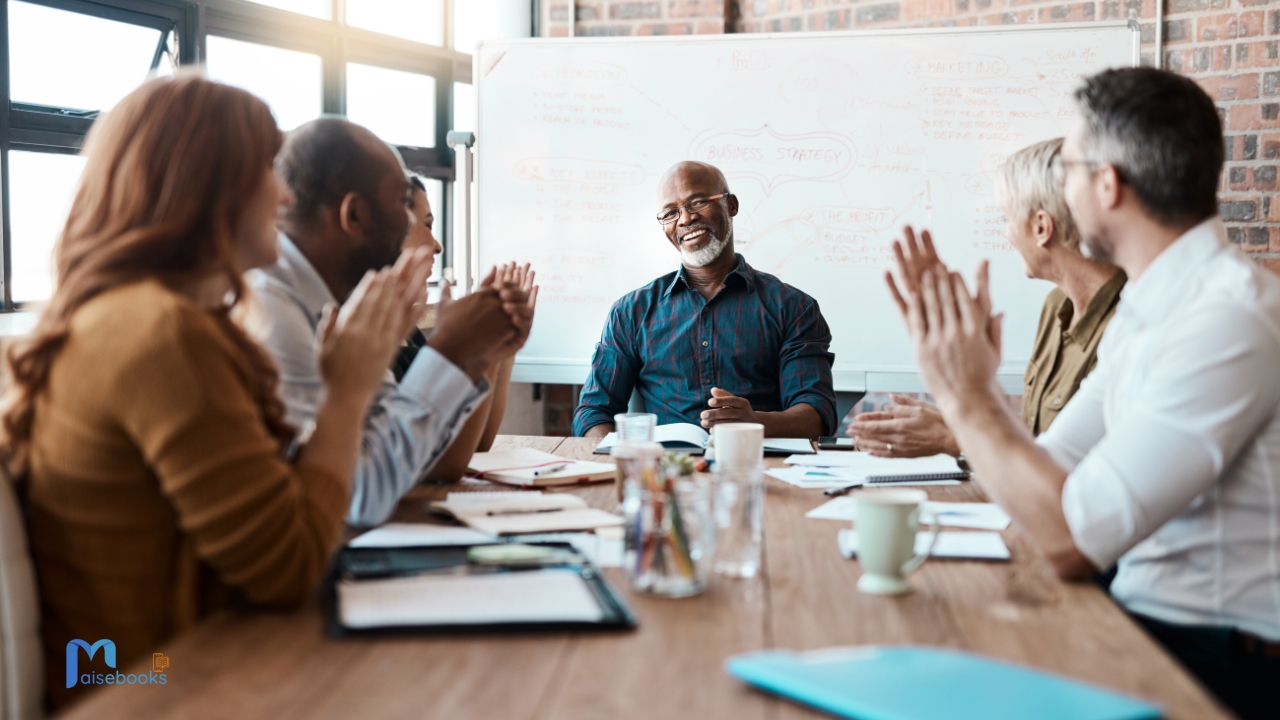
[
  {"x": 708, "y": 254},
  {"x": 1098, "y": 249}
]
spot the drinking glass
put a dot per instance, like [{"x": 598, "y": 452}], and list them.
[{"x": 738, "y": 506}]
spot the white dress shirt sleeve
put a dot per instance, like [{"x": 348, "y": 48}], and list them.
[
  {"x": 1210, "y": 387},
  {"x": 1079, "y": 426},
  {"x": 407, "y": 427}
]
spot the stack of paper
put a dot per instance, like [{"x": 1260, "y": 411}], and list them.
[
  {"x": 513, "y": 513},
  {"x": 842, "y": 469}
]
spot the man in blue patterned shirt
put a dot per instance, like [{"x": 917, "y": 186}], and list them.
[{"x": 716, "y": 341}]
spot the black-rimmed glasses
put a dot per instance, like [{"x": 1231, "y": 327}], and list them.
[{"x": 670, "y": 215}]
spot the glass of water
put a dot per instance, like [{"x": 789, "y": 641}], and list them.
[{"x": 738, "y": 508}]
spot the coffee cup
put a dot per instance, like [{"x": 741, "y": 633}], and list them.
[
  {"x": 738, "y": 445},
  {"x": 887, "y": 522}
]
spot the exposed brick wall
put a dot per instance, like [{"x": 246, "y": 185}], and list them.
[
  {"x": 1231, "y": 47},
  {"x": 634, "y": 17},
  {"x": 1228, "y": 46},
  {"x": 559, "y": 402}
]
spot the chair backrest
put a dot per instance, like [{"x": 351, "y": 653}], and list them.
[{"x": 21, "y": 656}]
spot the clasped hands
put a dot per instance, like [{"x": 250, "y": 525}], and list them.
[
  {"x": 357, "y": 342},
  {"x": 489, "y": 325},
  {"x": 955, "y": 335}
]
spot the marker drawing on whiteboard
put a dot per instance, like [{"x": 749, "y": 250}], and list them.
[
  {"x": 494, "y": 62},
  {"x": 928, "y": 194},
  {"x": 660, "y": 107}
]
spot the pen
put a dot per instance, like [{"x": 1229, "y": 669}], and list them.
[
  {"x": 522, "y": 512},
  {"x": 840, "y": 490},
  {"x": 547, "y": 471}
]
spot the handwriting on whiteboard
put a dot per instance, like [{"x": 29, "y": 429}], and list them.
[{"x": 774, "y": 158}]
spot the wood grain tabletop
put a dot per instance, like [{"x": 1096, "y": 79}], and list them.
[{"x": 258, "y": 665}]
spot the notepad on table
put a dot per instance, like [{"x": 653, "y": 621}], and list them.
[
  {"x": 513, "y": 513},
  {"x": 867, "y": 464},
  {"x": 977, "y": 516},
  {"x": 689, "y": 438},
  {"x": 920, "y": 683},
  {"x": 491, "y": 586},
  {"x": 527, "y": 467},
  {"x": 545, "y": 596},
  {"x": 950, "y": 545}
]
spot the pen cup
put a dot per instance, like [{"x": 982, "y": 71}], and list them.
[{"x": 670, "y": 536}]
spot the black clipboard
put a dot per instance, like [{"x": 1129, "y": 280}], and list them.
[{"x": 377, "y": 563}]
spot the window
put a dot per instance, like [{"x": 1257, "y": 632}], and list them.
[
  {"x": 40, "y": 190},
  {"x": 398, "y": 106},
  {"x": 48, "y": 48},
  {"x": 464, "y": 107},
  {"x": 314, "y": 8},
  {"x": 291, "y": 82},
  {"x": 417, "y": 20},
  {"x": 384, "y": 63}
]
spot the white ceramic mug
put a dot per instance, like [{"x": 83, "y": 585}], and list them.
[
  {"x": 738, "y": 445},
  {"x": 888, "y": 520}
]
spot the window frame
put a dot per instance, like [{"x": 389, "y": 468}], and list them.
[{"x": 192, "y": 22}]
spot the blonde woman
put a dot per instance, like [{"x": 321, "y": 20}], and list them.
[{"x": 1075, "y": 315}]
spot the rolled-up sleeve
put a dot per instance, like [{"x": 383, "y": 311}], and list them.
[
  {"x": 804, "y": 369},
  {"x": 615, "y": 369},
  {"x": 1187, "y": 419},
  {"x": 407, "y": 427}
]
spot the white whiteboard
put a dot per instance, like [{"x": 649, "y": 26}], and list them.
[{"x": 831, "y": 141}]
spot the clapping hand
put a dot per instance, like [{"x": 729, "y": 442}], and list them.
[
  {"x": 519, "y": 296},
  {"x": 956, "y": 337},
  {"x": 357, "y": 342}
]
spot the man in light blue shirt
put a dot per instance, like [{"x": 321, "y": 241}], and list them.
[{"x": 346, "y": 215}]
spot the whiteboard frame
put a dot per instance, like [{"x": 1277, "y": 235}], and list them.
[{"x": 867, "y": 378}]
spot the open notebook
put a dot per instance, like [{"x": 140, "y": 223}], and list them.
[
  {"x": 527, "y": 467},
  {"x": 516, "y": 513},
  {"x": 689, "y": 438}
]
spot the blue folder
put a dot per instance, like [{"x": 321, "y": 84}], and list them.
[{"x": 919, "y": 683}]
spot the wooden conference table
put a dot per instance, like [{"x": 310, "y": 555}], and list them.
[{"x": 271, "y": 666}]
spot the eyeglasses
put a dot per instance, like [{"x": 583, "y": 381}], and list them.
[
  {"x": 670, "y": 215},
  {"x": 1060, "y": 165}
]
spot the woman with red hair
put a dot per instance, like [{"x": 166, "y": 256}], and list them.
[{"x": 141, "y": 424}]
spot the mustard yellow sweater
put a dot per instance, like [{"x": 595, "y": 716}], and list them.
[{"x": 155, "y": 490}]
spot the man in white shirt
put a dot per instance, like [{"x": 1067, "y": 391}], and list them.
[
  {"x": 347, "y": 212},
  {"x": 1167, "y": 461}
]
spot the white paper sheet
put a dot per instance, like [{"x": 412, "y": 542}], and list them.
[
  {"x": 419, "y": 535},
  {"x": 951, "y": 545},
  {"x": 602, "y": 552},
  {"x": 814, "y": 477},
  {"x": 978, "y": 516},
  {"x": 554, "y": 595}
]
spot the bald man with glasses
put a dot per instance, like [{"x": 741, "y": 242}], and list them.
[{"x": 715, "y": 341}]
